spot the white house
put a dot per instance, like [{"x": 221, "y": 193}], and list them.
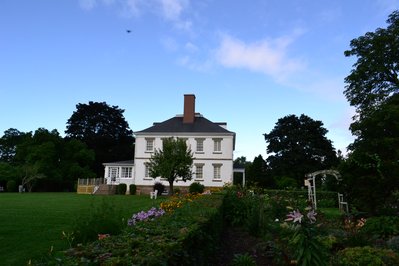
[{"x": 211, "y": 143}]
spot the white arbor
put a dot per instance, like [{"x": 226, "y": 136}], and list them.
[{"x": 310, "y": 182}]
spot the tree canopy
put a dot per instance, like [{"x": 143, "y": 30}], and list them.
[
  {"x": 374, "y": 76},
  {"x": 370, "y": 172},
  {"x": 104, "y": 129},
  {"x": 173, "y": 162},
  {"x": 297, "y": 146}
]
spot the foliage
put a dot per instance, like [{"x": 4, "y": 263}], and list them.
[
  {"x": 104, "y": 219},
  {"x": 8, "y": 144},
  {"x": 187, "y": 237},
  {"x": 173, "y": 161},
  {"x": 177, "y": 201},
  {"x": 366, "y": 256},
  {"x": 196, "y": 187},
  {"x": 160, "y": 187},
  {"x": 121, "y": 189},
  {"x": 374, "y": 76},
  {"x": 37, "y": 220},
  {"x": 308, "y": 248},
  {"x": 298, "y": 145},
  {"x": 104, "y": 129},
  {"x": 372, "y": 87},
  {"x": 285, "y": 182},
  {"x": 393, "y": 243},
  {"x": 243, "y": 260},
  {"x": 382, "y": 226},
  {"x": 11, "y": 186},
  {"x": 257, "y": 173},
  {"x": 132, "y": 189}
]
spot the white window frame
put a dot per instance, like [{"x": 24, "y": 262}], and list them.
[
  {"x": 217, "y": 145},
  {"x": 199, "y": 171},
  {"x": 149, "y": 144},
  {"x": 147, "y": 171},
  {"x": 199, "y": 145},
  {"x": 217, "y": 172},
  {"x": 126, "y": 172},
  {"x": 113, "y": 172}
]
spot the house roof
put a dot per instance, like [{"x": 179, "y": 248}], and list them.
[
  {"x": 176, "y": 125},
  {"x": 128, "y": 162}
]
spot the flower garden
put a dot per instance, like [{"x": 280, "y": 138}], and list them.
[{"x": 187, "y": 230}]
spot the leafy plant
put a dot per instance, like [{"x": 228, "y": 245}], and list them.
[
  {"x": 366, "y": 256},
  {"x": 121, "y": 189},
  {"x": 11, "y": 186},
  {"x": 382, "y": 226},
  {"x": 243, "y": 260},
  {"x": 132, "y": 189},
  {"x": 160, "y": 187},
  {"x": 105, "y": 219},
  {"x": 196, "y": 188}
]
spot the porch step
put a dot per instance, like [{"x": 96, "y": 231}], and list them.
[{"x": 105, "y": 189}]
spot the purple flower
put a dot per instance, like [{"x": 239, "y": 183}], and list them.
[
  {"x": 143, "y": 216},
  {"x": 294, "y": 216}
]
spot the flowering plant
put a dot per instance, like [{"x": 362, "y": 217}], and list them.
[
  {"x": 308, "y": 250},
  {"x": 143, "y": 216}
]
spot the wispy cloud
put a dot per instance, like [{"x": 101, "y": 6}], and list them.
[
  {"x": 170, "y": 10},
  {"x": 268, "y": 56}
]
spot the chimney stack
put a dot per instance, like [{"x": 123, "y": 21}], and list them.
[{"x": 189, "y": 108}]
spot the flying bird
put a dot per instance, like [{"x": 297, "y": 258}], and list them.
[{"x": 128, "y": 31}]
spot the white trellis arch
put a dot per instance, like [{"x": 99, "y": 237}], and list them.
[{"x": 310, "y": 182}]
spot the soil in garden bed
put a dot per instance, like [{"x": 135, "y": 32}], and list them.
[{"x": 237, "y": 241}]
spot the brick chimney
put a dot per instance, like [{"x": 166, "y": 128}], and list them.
[{"x": 189, "y": 108}]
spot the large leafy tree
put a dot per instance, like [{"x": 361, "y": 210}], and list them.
[
  {"x": 104, "y": 129},
  {"x": 372, "y": 88},
  {"x": 173, "y": 162},
  {"x": 374, "y": 76},
  {"x": 8, "y": 143},
  {"x": 297, "y": 146}
]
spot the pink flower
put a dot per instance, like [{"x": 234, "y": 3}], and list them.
[
  {"x": 312, "y": 216},
  {"x": 294, "y": 216}
]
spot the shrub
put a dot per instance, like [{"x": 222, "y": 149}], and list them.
[
  {"x": 121, "y": 189},
  {"x": 103, "y": 219},
  {"x": 11, "y": 186},
  {"x": 393, "y": 243},
  {"x": 196, "y": 188},
  {"x": 132, "y": 189},
  {"x": 243, "y": 260},
  {"x": 160, "y": 187},
  {"x": 382, "y": 226},
  {"x": 366, "y": 256}
]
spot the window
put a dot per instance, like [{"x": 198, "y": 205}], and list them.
[
  {"x": 216, "y": 171},
  {"x": 146, "y": 171},
  {"x": 149, "y": 144},
  {"x": 113, "y": 173},
  {"x": 217, "y": 145},
  {"x": 126, "y": 172},
  {"x": 199, "y": 171},
  {"x": 200, "y": 145}
]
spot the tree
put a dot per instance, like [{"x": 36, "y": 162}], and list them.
[
  {"x": 174, "y": 161},
  {"x": 8, "y": 143},
  {"x": 371, "y": 170},
  {"x": 257, "y": 173},
  {"x": 297, "y": 146},
  {"x": 104, "y": 129},
  {"x": 374, "y": 76}
]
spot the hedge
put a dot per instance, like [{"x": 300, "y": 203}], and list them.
[{"x": 188, "y": 235}]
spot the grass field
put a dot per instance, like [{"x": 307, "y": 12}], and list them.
[{"x": 32, "y": 223}]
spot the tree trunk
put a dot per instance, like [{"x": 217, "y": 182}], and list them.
[{"x": 170, "y": 188}]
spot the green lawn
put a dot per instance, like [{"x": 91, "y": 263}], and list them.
[{"x": 32, "y": 223}]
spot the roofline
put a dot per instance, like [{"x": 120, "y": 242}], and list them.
[{"x": 172, "y": 134}]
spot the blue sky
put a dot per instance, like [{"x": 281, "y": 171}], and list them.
[{"x": 249, "y": 63}]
